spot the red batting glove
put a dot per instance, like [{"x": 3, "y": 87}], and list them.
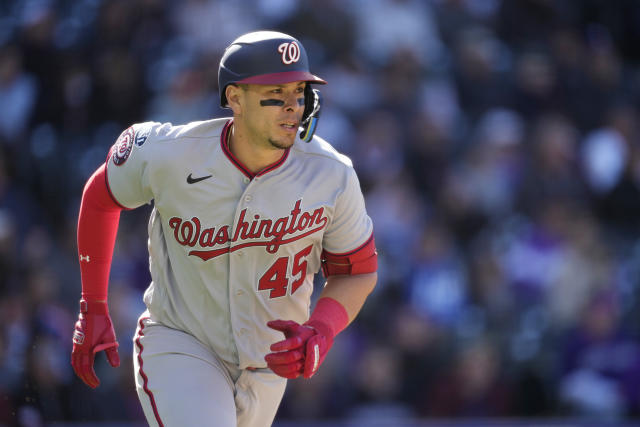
[
  {"x": 93, "y": 333},
  {"x": 317, "y": 347},
  {"x": 302, "y": 351}
]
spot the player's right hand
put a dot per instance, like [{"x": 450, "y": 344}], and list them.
[
  {"x": 93, "y": 333},
  {"x": 288, "y": 357},
  {"x": 302, "y": 351}
]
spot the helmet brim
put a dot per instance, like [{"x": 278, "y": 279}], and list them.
[{"x": 282, "y": 78}]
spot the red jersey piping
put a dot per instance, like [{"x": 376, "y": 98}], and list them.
[
  {"x": 359, "y": 248},
  {"x": 224, "y": 138}
]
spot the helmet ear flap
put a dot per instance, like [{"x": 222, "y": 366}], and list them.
[{"x": 311, "y": 114}]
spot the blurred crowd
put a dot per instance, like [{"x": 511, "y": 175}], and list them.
[{"x": 498, "y": 146}]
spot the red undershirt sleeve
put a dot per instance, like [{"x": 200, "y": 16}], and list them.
[{"x": 97, "y": 230}]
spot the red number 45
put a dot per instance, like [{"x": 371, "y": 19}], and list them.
[{"x": 275, "y": 278}]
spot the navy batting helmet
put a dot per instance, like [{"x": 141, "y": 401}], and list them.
[{"x": 264, "y": 57}]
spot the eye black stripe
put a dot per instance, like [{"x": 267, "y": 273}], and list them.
[{"x": 271, "y": 102}]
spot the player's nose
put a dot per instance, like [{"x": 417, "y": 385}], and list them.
[{"x": 293, "y": 101}]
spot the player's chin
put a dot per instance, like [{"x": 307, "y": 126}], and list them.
[{"x": 283, "y": 142}]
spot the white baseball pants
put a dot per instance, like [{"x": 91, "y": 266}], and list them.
[{"x": 181, "y": 383}]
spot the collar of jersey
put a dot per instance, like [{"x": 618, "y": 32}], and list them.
[{"x": 224, "y": 142}]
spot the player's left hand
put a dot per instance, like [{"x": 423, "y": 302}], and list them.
[{"x": 302, "y": 351}]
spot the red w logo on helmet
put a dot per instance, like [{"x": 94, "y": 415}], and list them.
[{"x": 290, "y": 52}]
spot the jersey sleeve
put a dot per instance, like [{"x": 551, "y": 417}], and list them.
[
  {"x": 348, "y": 244},
  {"x": 128, "y": 165}
]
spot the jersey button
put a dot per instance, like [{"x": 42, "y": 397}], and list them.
[
  {"x": 246, "y": 180},
  {"x": 247, "y": 198},
  {"x": 239, "y": 293}
]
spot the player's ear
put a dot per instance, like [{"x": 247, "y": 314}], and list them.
[{"x": 234, "y": 95}]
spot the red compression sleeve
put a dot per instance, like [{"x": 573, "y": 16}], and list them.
[
  {"x": 329, "y": 313},
  {"x": 359, "y": 261},
  {"x": 97, "y": 229}
]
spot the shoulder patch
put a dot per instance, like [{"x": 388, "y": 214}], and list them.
[{"x": 122, "y": 148}]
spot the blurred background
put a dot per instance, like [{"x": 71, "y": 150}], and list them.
[{"x": 498, "y": 147}]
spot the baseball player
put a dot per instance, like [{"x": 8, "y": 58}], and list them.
[{"x": 246, "y": 211}]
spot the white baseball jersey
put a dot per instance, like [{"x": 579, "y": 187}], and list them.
[{"x": 230, "y": 251}]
